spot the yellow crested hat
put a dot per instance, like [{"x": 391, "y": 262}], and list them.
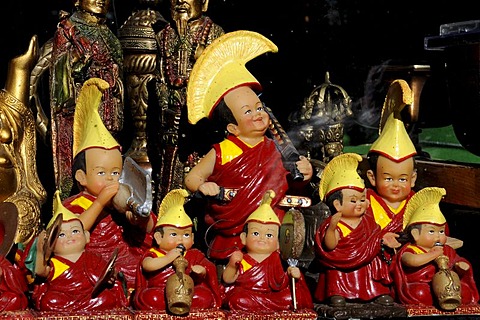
[
  {"x": 423, "y": 207},
  {"x": 172, "y": 212},
  {"x": 394, "y": 141},
  {"x": 221, "y": 68},
  {"x": 264, "y": 213},
  {"x": 58, "y": 208},
  {"x": 88, "y": 128},
  {"x": 341, "y": 173}
]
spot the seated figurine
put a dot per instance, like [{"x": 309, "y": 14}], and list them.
[
  {"x": 72, "y": 273},
  {"x": 348, "y": 243},
  {"x": 174, "y": 237},
  {"x": 255, "y": 279},
  {"x": 419, "y": 259}
]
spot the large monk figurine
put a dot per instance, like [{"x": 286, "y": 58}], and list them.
[
  {"x": 174, "y": 237},
  {"x": 255, "y": 278},
  {"x": 247, "y": 161},
  {"x": 417, "y": 262},
  {"x": 70, "y": 276}
]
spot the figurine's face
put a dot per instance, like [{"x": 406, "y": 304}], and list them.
[
  {"x": 173, "y": 236},
  {"x": 187, "y": 9},
  {"x": 252, "y": 120},
  {"x": 98, "y": 7},
  {"x": 354, "y": 203},
  {"x": 71, "y": 238},
  {"x": 261, "y": 238},
  {"x": 103, "y": 167},
  {"x": 394, "y": 180},
  {"x": 429, "y": 236}
]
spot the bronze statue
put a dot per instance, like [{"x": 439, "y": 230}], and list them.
[
  {"x": 180, "y": 44},
  {"x": 19, "y": 182}
]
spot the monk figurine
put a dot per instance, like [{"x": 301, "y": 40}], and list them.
[
  {"x": 425, "y": 253},
  {"x": 348, "y": 243},
  {"x": 255, "y": 278},
  {"x": 69, "y": 271},
  {"x": 174, "y": 237},
  {"x": 247, "y": 161}
]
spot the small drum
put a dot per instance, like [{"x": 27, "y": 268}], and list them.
[{"x": 292, "y": 234}]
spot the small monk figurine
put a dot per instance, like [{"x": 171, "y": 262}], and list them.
[
  {"x": 255, "y": 278},
  {"x": 174, "y": 237},
  {"x": 70, "y": 275},
  {"x": 347, "y": 244},
  {"x": 419, "y": 259}
]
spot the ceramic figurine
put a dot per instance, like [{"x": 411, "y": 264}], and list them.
[{"x": 246, "y": 161}]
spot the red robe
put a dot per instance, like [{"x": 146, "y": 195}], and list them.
[
  {"x": 72, "y": 289},
  {"x": 388, "y": 220},
  {"x": 255, "y": 171},
  {"x": 413, "y": 285},
  {"x": 354, "y": 269},
  {"x": 13, "y": 287},
  {"x": 112, "y": 231},
  {"x": 150, "y": 286},
  {"x": 265, "y": 287}
]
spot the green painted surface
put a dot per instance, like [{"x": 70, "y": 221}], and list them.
[{"x": 439, "y": 143}]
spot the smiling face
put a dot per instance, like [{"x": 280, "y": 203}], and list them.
[
  {"x": 252, "y": 120},
  {"x": 187, "y": 9},
  {"x": 71, "y": 238},
  {"x": 261, "y": 238},
  {"x": 354, "y": 203},
  {"x": 393, "y": 180}
]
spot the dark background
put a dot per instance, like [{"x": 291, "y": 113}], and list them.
[
  {"x": 349, "y": 39},
  {"x": 346, "y": 38}
]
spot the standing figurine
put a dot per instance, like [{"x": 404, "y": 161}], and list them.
[
  {"x": 348, "y": 242},
  {"x": 173, "y": 139},
  {"x": 174, "y": 237},
  {"x": 71, "y": 274},
  {"x": 392, "y": 171},
  {"x": 416, "y": 264},
  {"x": 97, "y": 167},
  {"x": 246, "y": 161},
  {"x": 83, "y": 47},
  {"x": 255, "y": 278}
]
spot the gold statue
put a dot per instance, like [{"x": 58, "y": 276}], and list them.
[{"x": 19, "y": 182}]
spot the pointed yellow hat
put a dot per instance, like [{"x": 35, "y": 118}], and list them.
[
  {"x": 88, "y": 128},
  {"x": 172, "y": 212},
  {"x": 423, "y": 207},
  {"x": 221, "y": 68},
  {"x": 264, "y": 213},
  {"x": 58, "y": 208},
  {"x": 394, "y": 141},
  {"x": 341, "y": 173}
]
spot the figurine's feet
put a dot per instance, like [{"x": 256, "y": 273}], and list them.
[
  {"x": 337, "y": 301},
  {"x": 384, "y": 300}
]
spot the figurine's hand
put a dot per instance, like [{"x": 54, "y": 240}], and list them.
[
  {"x": 174, "y": 253},
  {"x": 461, "y": 267},
  {"x": 209, "y": 189},
  {"x": 305, "y": 168},
  {"x": 294, "y": 272},
  {"x": 235, "y": 258},
  {"x": 108, "y": 192},
  {"x": 390, "y": 240},
  {"x": 42, "y": 237},
  {"x": 334, "y": 221},
  {"x": 136, "y": 219},
  {"x": 199, "y": 270},
  {"x": 436, "y": 251}
]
